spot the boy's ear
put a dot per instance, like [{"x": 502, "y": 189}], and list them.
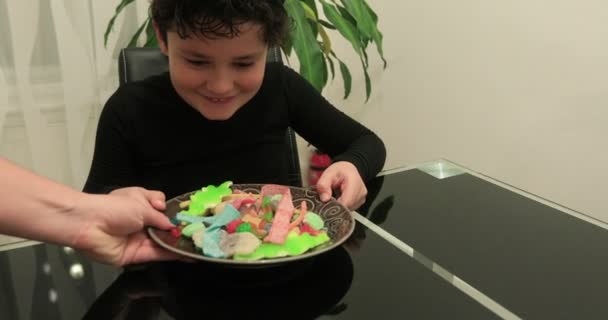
[{"x": 162, "y": 44}]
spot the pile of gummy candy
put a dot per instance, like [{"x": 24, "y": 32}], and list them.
[{"x": 224, "y": 223}]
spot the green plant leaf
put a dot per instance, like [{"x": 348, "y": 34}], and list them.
[
  {"x": 151, "y": 40},
  {"x": 326, "y": 44},
  {"x": 368, "y": 85},
  {"x": 324, "y": 72},
  {"x": 365, "y": 59},
  {"x": 351, "y": 33},
  {"x": 151, "y": 43},
  {"x": 133, "y": 42},
  {"x": 326, "y": 24},
  {"x": 346, "y": 76},
  {"x": 345, "y": 27},
  {"x": 308, "y": 11},
  {"x": 346, "y": 15},
  {"x": 312, "y": 63},
  {"x": 287, "y": 45},
  {"x": 314, "y": 21},
  {"x": 372, "y": 13},
  {"x": 311, "y": 14},
  {"x": 117, "y": 11},
  {"x": 312, "y": 4},
  {"x": 366, "y": 22},
  {"x": 332, "y": 67}
]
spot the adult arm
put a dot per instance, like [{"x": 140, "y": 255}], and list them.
[{"x": 107, "y": 227}]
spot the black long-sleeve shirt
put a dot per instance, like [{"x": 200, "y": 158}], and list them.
[{"x": 148, "y": 136}]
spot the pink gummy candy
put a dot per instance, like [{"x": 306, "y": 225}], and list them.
[
  {"x": 282, "y": 218},
  {"x": 237, "y": 203}
]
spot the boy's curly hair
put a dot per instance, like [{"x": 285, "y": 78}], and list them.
[{"x": 220, "y": 18}]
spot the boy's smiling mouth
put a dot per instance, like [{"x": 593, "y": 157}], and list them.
[{"x": 217, "y": 100}]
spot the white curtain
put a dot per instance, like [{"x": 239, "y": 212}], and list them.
[{"x": 55, "y": 75}]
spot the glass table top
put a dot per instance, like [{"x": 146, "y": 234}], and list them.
[
  {"x": 517, "y": 254},
  {"x": 433, "y": 241}
]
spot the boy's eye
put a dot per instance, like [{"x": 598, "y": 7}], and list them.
[
  {"x": 196, "y": 62},
  {"x": 243, "y": 64}
]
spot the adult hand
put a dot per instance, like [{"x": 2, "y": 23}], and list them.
[
  {"x": 113, "y": 231},
  {"x": 342, "y": 177}
]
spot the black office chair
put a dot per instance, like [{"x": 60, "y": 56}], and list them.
[{"x": 139, "y": 63}]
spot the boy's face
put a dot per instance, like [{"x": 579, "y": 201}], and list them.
[{"x": 216, "y": 76}]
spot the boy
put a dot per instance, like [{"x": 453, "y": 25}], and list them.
[{"x": 221, "y": 112}]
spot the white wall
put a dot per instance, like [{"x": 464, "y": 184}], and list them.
[{"x": 517, "y": 90}]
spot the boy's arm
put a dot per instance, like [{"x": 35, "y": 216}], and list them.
[{"x": 330, "y": 130}]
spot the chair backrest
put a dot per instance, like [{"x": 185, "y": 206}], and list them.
[{"x": 139, "y": 63}]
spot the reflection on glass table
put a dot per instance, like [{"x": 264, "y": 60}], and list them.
[{"x": 310, "y": 288}]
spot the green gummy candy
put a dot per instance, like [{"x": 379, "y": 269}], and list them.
[
  {"x": 265, "y": 201},
  {"x": 208, "y": 198},
  {"x": 314, "y": 220},
  {"x": 268, "y": 217},
  {"x": 294, "y": 245},
  {"x": 190, "y": 229},
  {"x": 244, "y": 227}
]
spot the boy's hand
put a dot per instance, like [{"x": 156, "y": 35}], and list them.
[{"x": 343, "y": 177}]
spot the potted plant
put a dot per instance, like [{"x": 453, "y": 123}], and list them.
[{"x": 309, "y": 39}]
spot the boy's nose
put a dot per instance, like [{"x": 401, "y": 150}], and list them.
[{"x": 220, "y": 84}]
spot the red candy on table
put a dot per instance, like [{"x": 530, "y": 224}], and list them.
[{"x": 318, "y": 163}]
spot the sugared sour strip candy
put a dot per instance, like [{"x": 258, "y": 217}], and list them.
[{"x": 282, "y": 218}]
